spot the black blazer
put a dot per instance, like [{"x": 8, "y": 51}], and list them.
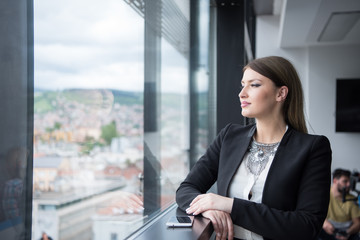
[{"x": 296, "y": 192}]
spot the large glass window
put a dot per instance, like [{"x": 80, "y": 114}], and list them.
[
  {"x": 88, "y": 119},
  {"x": 94, "y": 129},
  {"x": 118, "y": 107}
]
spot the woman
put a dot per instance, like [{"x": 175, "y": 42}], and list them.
[{"x": 272, "y": 177}]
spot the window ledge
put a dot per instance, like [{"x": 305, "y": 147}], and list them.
[{"x": 202, "y": 228}]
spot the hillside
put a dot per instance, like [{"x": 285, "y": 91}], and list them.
[{"x": 45, "y": 101}]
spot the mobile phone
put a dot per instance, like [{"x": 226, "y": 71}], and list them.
[{"x": 180, "y": 221}]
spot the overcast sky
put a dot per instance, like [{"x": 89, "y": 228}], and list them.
[{"x": 96, "y": 44}]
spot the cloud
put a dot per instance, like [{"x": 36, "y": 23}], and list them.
[
  {"x": 97, "y": 44},
  {"x": 125, "y": 76},
  {"x": 88, "y": 44},
  {"x": 86, "y": 22}
]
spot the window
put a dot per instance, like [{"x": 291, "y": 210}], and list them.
[
  {"x": 111, "y": 111},
  {"x": 118, "y": 107}
]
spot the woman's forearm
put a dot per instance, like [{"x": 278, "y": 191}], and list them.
[{"x": 210, "y": 201}]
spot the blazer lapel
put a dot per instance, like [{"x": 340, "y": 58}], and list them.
[
  {"x": 272, "y": 171},
  {"x": 239, "y": 147}
]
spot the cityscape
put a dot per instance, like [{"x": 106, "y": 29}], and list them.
[{"x": 88, "y": 161}]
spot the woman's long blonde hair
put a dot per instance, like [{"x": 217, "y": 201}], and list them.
[{"x": 282, "y": 73}]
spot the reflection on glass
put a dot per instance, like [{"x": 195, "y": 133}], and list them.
[
  {"x": 16, "y": 119},
  {"x": 12, "y": 191}
]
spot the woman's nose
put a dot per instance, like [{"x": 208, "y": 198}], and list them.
[{"x": 242, "y": 93}]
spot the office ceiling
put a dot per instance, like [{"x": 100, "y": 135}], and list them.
[{"x": 314, "y": 22}]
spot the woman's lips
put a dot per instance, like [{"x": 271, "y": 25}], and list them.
[{"x": 244, "y": 104}]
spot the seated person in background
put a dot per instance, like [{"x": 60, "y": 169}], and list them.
[{"x": 343, "y": 218}]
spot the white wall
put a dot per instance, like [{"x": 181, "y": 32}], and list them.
[
  {"x": 267, "y": 42},
  {"x": 318, "y": 68},
  {"x": 326, "y": 64}
]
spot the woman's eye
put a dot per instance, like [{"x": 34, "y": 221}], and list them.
[{"x": 255, "y": 85}]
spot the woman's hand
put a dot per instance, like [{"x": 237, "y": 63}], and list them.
[
  {"x": 222, "y": 223},
  {"x": 217, "y": 208},
  {"x": 210, "y": 201}
]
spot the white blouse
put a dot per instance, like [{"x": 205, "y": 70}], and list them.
[{"x": 242, "y": 185}]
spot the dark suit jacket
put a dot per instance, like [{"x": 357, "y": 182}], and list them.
[{"x": 296, "y": 192}]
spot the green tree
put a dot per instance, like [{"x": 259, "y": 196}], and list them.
[
  {"x": 87, "y": 145},
  {"x": 108, "y": 132},
  {"x": 57, "y": 126}
]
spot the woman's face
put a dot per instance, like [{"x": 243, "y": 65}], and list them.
[{"x": 259, "y": 96}]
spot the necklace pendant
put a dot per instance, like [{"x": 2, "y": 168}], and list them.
[{"x": 261, "y": 153}]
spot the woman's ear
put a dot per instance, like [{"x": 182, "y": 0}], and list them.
[{"x": 282, "y": 93}]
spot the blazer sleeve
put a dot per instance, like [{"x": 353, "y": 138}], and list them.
[
  {"x": 203, "y": 175},
  {"x": 310, "y": 209}
]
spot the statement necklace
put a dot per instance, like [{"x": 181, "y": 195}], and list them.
[{"x": 259, "y": 154}]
